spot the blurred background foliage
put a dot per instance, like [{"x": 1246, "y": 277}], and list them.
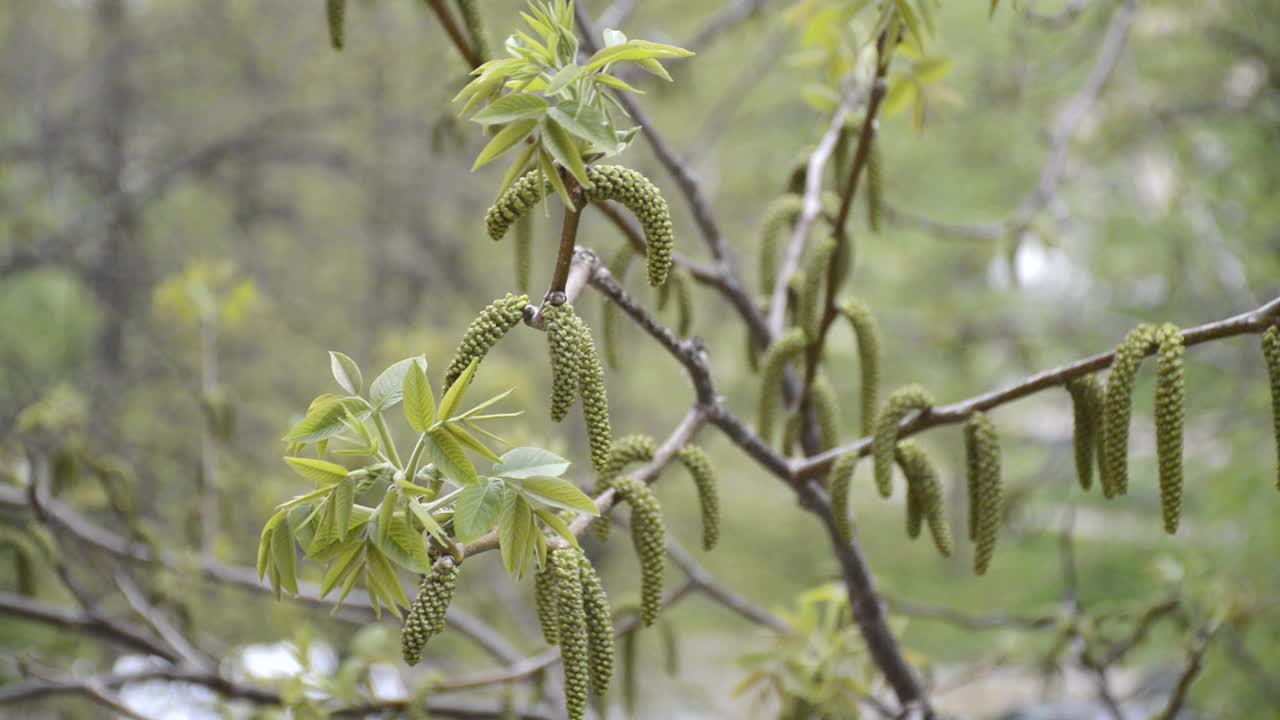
[{"x": 197, "y": 200}]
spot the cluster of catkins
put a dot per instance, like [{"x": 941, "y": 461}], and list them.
[
  {"x": 426, "y": 615},
  {"x": 574, "y": 612},
  {"x": 608, "y": 182},
  {"x": 576, "y": 372}
]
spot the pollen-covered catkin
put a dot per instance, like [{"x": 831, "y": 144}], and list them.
[
  {"x": 475, "y": 28},
  {"x": 426, "y": 615},
  {"x": 645, "y": 201},
  {"x": 1086, "y": 404},
  {"x": 786, "y": 347},
  {"x": 838, "y": 480},
  {"x": 563, "y": 339},
  {"x": 695, "y": 460},
  {"x": 815, "y": 271},
  {"x": 512, "y": 205},
  {"x": 924, "y": 489},
  {"x": 822, "y": 396},
  {"x": 649, "y": 537},
  {"x": 575, "y": 655},
  {"x": 982, "y": 452},
  {"x": 595, "y": 402},
  {"x": 595, "y": 602},
  {"x": 1271, "y": 356},
  {"x": 900, "y": 402},
  {"x": 544, "y": 593},
  {"x": 868, "y": 335},
  {"x": 618, "y": 266},
  {"x": 337, "y": 11},
  {"x": 1118, "y": 408},
  {"x": 484, "y": 332},
  {"x": 779, "y": 215},
  {"x": 1170, "y": 391}
]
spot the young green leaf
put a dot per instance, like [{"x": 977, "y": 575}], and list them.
[
  {"x": 523, "y": 462},
  {"x": 514, "y": 106},
  {"x": 506, "y": 139},
  {"x": 410, "y": 543},
  {"x": 558, "y": 493},
  {"x": 324, "y": 419},
  {"x": 478, "y": 508},
  {"x": 637, "y": 50},
  {"x": 460, "y": 433},
  {"x": 428, "y": 522},
  {"x": 282, "y": 560},
  {"x": 448, "y": 456},
  {"x": 383, "y": 580},
  {"x": 554, "y": 522},
  {"x": 346, "y": 372},
  {"x": 387, "y": 389},
  {"x": 563, "y": 78},
  {"x": 453, "y": 395},
  {"x": 419, "y": 401},
  {"x": 585, "y": 123},
  {"x": 564, "y": 150},
  {"x": 344, "y": 497},
  {"x": 515, "y": 528},
  {"x": 322, "y": 472},
  {"x": 547, "y": 164},
  {"x": 348, "y": 561}
]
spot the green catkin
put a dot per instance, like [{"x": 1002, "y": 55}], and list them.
[
  {"x": 645, "y": 201},
  {"x": 595, "y": 602},
  {"x": 618, "y": 266},
  {"x": 786, "y": 347},
  {"x": 595, "y": 402},
  {"x": 924, "y": 492},
  {"x": 867, "y": 333},
  {"x": 902, "y": 401},
  {"x": 982, "y": 450},
  {"x": 484, "y": 332},
  {"x": 648, "y": 535},
  {"x": 526, "y": 192},
  {"x": 683, "y": 289},
  {"x": 822, "y": 396},
  {"x": 838, "y": 480},
  {"x": 779, "y": 215},
  {"x": 815, "y": 272},
  {"x": 1086, "y": 403},
  {"x": 524, "y": 252},
  {"x": 1271, "y": 356},
  {"x": 695, "y": 460},
  {"x": 753, "y": 352},
  {"x": 563, "y": 340},
  {"x": 1118, "y": 408},
  {"x": 475, "y": 28},
  {"x": 875, "y": 186},
  {"x": 625, "y": 450},
  {"x": 337, "y": 12},
  {"x": 1169, "y": 414},
  {"x": 790, "y": 433},
  {"x": 427, "y": 615},
  {"x": 575, "y": 655},
  {"x": 544, "y": 593}
]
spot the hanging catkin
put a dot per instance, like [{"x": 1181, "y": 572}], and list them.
[
  {"x": 524, "y": 252},
  {"x": 1086, "y": 404},
  {"x": 868, "y": 335},
  {"x": 426, "y": 615},
  {"x": 779, "y": 215},
  {"x": 822, "y": 396},
  {"x": 704, "y": 478},
  {"x": 1170, "y": 390},
  {"x": 648, "y": 535},
  {"x": 544, "y": 593},
  {"x": 484, "y": 332},
  {"x": 875, "y": 186},
  {"x": 787, "y": 346},
  {"x": 595, "y": 402},
  {"x": 512, "y": 205},
  {"x": 1271, "y": 355},
  {"x": 337, "y": 12},
  {"x": 575, "y": 654},
  {"x": 599, "y": 619},
  {"x": 815, "y": 273},
  {"x": 625, "y": 450},
  {"x": 563, "y": 339},
  {"x": 475, "y": 28},
  {"x": 645, "y": 201},
  {"x": 838, "y": 480},
  {"x": 618, "y": 266},
  {"x": 1117, "y": 409},
  {"x": 982, "y": 453},
  {"x": 924, "y": 489},
  {"x": 900, "y": 402}
]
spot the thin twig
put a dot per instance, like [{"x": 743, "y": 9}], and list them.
[
  {"x": 1195, "y": 662},
  {"x": 454, "y": 31}
]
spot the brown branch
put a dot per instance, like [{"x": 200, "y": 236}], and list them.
[
  {"x": 959, "y": 618},
  {"x": 1195, "y": 662},
  {"x": 454, "y": 31},
  {"x": 82, "y": 621},
  {"x": 1251, "y": 322}
]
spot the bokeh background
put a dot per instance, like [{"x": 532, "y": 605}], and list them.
[{"x": 199, "y": 199}]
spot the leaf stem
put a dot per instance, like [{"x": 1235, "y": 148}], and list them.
[
  {"x": 393, "y": 456},
  {"x": 411, "y": 468}
]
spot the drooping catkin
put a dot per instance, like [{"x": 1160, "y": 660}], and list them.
[
  {"x": 779, "y": 215},
  {"x": 484, "y": 332},
  {"x": 875, "y": 186},
  {"x": 475, "y": 28},
  {"x": 838, "y": 479},
  {"x": 868, "y": 335},
  {"x": 599, "y": 618},
  {"x": 544, "y": 593},
  {"x": 337, "y": 13},
  {"x": 575, "y": 654},
  {"x": 982, "y": 454},
  {"x": 790, "y": 344},
  {"x": 524, "y": 252},
  {"x": 512, "y": 205},
  {"x": 1170, "y": 391},
  {"x": 822, "y": 396},
  {"x": 1271, "y": 356},
  {"x": 695, "y": 460},
  {"x": 645, "y": 201},
  {"x": 900, "y": 402},
  {"x": 563, "y": 340},
  {"x": 595, "y": 401},
  {"x": 790, "y": 433},
  {"x": 682, "y": 287},
  {"x": 648, "y": 535},
  {"x": 427, "y": 614},
  {"x": 625, "y": 450},
  {"x": 924, "y": 492},
  {"x": 618, "y": 266},
  {"x": 1117, "y": 409},
  {"x": 811, "y": 297},
  {"x": 1086, "y": 404}
]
